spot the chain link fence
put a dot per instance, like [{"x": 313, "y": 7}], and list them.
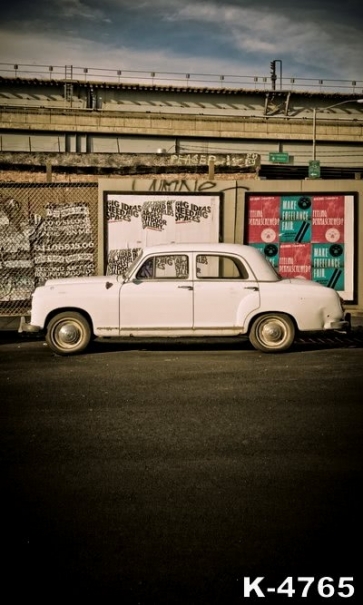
[{"x": 46, "y": 231}]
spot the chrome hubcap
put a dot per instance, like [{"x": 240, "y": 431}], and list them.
[
  {"x": 272, "y": 332},
  {"x": 69, "y": 334}
]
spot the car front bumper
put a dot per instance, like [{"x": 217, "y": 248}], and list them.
[{"x": 25, "y": 326}]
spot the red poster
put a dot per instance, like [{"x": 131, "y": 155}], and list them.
[
  {"x": 328, "y": 219},
  {"x": 263, "y": 219},
  {"x": 295, "y": 260}
]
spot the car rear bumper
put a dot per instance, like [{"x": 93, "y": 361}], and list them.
[{"x": 342, "y": 324}]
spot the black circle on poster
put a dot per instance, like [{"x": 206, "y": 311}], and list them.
[
  {"x": 270, "y": 250},
  {"x": 304, "y": 202},
  {"x": 336, "y": 250}
]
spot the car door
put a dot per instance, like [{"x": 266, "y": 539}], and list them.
[
  {"x": 159, "y": 297},
  {"x": 225, "y": 292}
]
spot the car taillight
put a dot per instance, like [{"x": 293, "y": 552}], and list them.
[{"x": 341, "y": 302}]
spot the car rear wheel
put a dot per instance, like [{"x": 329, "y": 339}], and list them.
[
  {"x": 272, "y": 333},
  {"x": 68, "y": 333}
]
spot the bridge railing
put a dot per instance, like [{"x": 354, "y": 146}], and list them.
[{"x": 180, "y": 79}]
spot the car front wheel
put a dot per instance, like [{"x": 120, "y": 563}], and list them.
[
  {"x": 68, "y": 333},
  {"x": 272, "y": 333}
]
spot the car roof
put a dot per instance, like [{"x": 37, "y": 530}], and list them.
[{"x": 201, "y": 247}]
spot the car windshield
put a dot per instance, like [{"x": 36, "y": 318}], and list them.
[{"x": 131, "y": 267}]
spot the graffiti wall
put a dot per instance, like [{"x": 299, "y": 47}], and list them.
[
  {"x": 16, "y": 263},
  {"x": 64, "y": 230},
  {"x": 45, "y": 232}
]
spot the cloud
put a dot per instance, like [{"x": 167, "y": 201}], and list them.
[
  {"x": 283, "y": 29},
  {"x": 69, "y": 9},
  {"x": 40, "y": 49},
  {"x": 233, "y": 37}
]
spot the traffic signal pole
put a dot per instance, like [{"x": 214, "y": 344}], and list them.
[{"x": 273, "y": 73}]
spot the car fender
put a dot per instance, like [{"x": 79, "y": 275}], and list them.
[
  {"x": 309, "y": 304},
  {"x": 98, "y": 300},
  {"x": 248, "y": 307}
]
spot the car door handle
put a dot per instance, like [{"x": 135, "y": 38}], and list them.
[
  {"x": 186, "y": 287},
  {"x": 251, "y": 288}
]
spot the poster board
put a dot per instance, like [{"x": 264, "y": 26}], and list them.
[
  {"x": 136, "y": 220},
  {"x": 54, "y": 243},
  {"x": 308, "y": 236}
]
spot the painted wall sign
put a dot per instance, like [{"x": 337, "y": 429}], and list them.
[
  {"x": 237, "y": 160},
  {"x": 307, "y": 236}
]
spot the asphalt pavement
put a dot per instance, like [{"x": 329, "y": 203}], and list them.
[{"x": 181, "y": 474}]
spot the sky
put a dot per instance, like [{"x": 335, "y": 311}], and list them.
[{"x": 320, "y": 39}]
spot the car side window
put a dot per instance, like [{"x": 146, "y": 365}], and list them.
[
  {"x": 146, "y": 270},
  {"x": 172, "y": 266},
  {"x": 216, "y": 266}
]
